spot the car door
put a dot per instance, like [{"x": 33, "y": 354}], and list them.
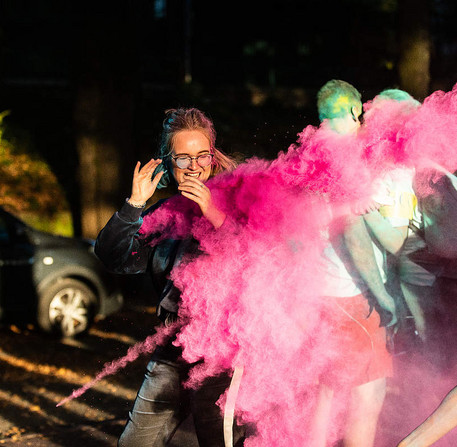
[{"x": 17, "y": 291}]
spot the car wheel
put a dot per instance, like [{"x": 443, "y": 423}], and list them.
[{"x": 66, "y": 307}]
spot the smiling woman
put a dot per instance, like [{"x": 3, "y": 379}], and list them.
[
  {"x": 179, "y": 120},
  {"x": 187, "y": 159}
]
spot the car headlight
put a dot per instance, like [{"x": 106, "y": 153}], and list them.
[{"x": 48, "y": 260}]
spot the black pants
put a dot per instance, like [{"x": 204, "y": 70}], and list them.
[{"x": 163, "y": 403}]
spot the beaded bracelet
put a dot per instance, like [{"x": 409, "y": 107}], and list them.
[{"x": 135, "y": 206}]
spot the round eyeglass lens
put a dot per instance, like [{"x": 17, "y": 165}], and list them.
[
  {"x": 183, "y": 162},
  {"x": 204, "y": 160}
]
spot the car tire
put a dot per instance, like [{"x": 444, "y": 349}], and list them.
[{"x": 66, "y": 307}]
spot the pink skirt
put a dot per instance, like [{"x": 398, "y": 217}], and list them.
[{"x": 359, "y": 353}]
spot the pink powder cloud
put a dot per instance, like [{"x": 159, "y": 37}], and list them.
[{"x": 254, "y": 298}]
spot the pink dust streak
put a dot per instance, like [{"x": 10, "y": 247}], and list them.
[{"x": 144, "y": 347}]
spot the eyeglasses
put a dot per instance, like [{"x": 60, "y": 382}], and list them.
[{"x": 184, "y": 161}]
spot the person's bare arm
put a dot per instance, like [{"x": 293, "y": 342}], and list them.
[
  {"x": 360, "y": 248},
  {"x": 391, "y": 238},
  {"x": 440, "y": 422}
]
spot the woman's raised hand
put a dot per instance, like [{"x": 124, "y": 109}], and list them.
[{"x": 143, "y": 185}]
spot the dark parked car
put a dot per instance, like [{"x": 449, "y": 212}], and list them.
[{"x": 56, "y": 281}]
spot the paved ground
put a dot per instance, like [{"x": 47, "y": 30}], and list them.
[{"x": 37, "y": 371}]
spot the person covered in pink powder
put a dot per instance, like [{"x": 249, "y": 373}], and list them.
[
  {"x": 187, "y": 159},
  {"x": 403, "y": 209},
  {"x": 354, "y": 280}
]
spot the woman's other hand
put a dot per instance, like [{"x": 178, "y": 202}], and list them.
[
  {"x": 143, "y": 185},
  {"x": 198, "y": 192}
]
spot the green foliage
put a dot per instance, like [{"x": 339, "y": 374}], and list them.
[{"x": 29, "y": 189}]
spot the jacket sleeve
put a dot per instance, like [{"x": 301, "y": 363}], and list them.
[{"x": 119, "y": 245}]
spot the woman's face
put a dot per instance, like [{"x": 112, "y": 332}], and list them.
[{"x": 191, "y": 143}]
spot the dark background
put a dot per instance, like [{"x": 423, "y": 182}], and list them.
[{"x": 87, "y": 82}]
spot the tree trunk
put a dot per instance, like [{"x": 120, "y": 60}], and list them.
[
  {"x": 415, "y": 47},
  {"x": 106, "y": 88}
]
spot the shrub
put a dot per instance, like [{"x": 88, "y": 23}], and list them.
[{"x": 30, "y": 190}]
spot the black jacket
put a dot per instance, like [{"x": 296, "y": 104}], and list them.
[{"x": 123, "y": 250}]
